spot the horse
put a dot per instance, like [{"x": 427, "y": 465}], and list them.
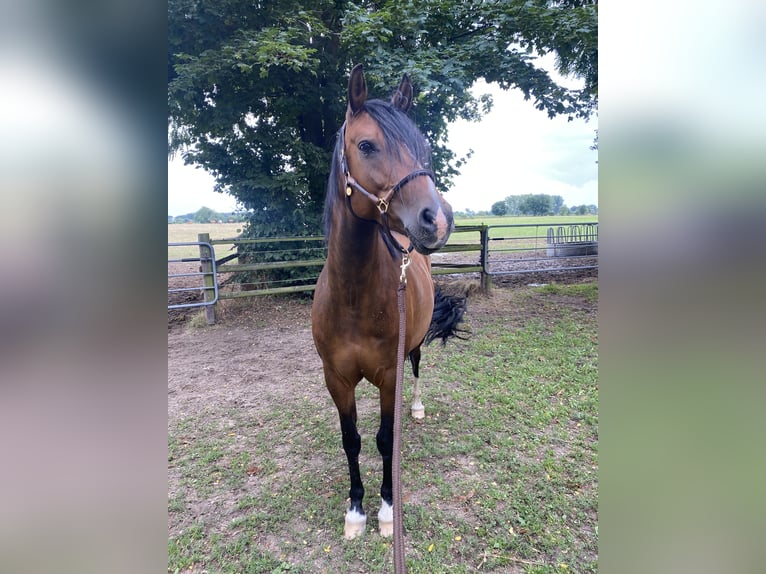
[{"x": 383, "y": 214}]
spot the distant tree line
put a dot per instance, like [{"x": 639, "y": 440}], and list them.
[
  {"x": 528, "y": 204},
  {"x": 207, "y": 215},
  {"x": 539, "y": 204}
]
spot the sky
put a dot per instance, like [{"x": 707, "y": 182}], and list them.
[{"x": 517, "y": 150}]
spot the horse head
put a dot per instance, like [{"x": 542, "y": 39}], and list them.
[{"x": 387, "y": 161}]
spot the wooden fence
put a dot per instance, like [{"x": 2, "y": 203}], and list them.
[
  {"x": 279, "y": 265},
  {"x": 477, "y": 243}
]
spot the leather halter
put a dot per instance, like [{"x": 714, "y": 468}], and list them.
[{"x": 382, "y": 202}]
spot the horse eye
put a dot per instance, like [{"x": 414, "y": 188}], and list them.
[{"x": 366, "y": 147}]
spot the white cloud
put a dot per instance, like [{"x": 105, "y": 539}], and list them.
[
  {"x": 190, "y": 188},
  {"x": 518, "y": 149}
]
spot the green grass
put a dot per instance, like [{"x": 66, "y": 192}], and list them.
[
  {"x": 587, "y": 291},
  {"x": 501, "y": 476},
  {"x": 533, "y": 235}
]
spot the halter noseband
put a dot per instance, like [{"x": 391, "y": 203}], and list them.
[{"x": 383, "y": 202}]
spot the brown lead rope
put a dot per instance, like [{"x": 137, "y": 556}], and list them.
[{"x": 400, "y": 567}]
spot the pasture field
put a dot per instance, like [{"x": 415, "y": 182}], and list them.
[
  {"x": 188, "y": 231},
  {"x": 524, "y": 220},
  {"x": 180, "y": 232},
  {"x": 501, "y": 476}
]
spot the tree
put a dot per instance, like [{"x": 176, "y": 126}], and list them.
[
  {"x": 499, "y": 208},
  {"x": 256, "y": 91},
  {"x": 540, "y": 204},
  {"x": 584, "y": 209},
  {"x": 205, "y": 215},
  {"x": 512, "y": 203}
]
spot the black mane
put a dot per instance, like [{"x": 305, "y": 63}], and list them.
[{"x": 398, "y": 130}]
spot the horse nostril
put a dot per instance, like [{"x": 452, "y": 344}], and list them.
[{"x": 427, "y": 217}]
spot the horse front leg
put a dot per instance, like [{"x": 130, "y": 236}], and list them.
[
  {"x": 385, "y": 440},
  {"x": 356, "y": 519},
  {"x": 342, "y": 393}
]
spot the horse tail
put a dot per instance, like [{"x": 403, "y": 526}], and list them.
[{"x": 448, "y": 314}]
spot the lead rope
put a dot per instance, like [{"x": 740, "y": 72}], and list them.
[{"x": 400, "y": 566}]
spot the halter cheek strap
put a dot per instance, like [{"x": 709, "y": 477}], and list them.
[{"x": 380, "y": 202}]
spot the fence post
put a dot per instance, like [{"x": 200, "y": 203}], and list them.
[
  {"x": 206, "y": 266},
  {"x": 486, "y": 278}
]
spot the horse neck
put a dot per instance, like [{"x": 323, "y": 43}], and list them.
[{"x": 355, "y": 250}]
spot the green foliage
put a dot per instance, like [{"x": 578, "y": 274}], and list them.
[
  {"x": 280, "y": 252},
  {"x": 499, "y": 208},
  {"x": 205, "y": 215},
  {"x": 226, "y": 217},
  {"x": 534, "y": 204},
  {"x": 584, "y": 209},
  {"x": 537, "y": 204},
  {"x": 256, "y": 91},
  {"x": 512, "y": 201}
]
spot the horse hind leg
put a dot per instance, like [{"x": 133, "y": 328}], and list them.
[{"x": 418, "y": 411}]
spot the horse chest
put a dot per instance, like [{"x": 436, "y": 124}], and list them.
[{"x": 380, "y": 324}]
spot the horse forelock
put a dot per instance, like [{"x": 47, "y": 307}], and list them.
[{"x": 399, "y": 131}]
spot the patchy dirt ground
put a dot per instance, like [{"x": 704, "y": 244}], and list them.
[
  {"x": 257, "y": 347},
  {"x": 260, "y": 344}
]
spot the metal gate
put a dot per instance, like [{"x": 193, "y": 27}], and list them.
[
  {"x": 534, "y": 248},
  {"x": 182, "y": 281}
]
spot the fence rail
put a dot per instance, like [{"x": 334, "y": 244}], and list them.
[{"x": 277, "y": 265}]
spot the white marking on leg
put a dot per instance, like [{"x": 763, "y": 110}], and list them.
[
  {"x": 355, "y": 524},
  {"x": 386, "y": 519},
  {"x": 418, "y": 411}
]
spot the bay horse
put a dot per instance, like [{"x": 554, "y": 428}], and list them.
[{"x": 382, "y": 205}]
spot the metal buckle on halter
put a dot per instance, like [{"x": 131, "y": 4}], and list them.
[{"x": 382, "y": 205}]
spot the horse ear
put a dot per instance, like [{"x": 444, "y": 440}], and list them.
[
  {"x": 402, "y": 97},
  {"x": 357, "y": 89}
]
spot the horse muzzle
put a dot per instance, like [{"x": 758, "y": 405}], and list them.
[{"x": 432, "y": 228}]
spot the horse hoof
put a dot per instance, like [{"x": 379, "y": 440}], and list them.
[
  {"x": 387, "y": 529},
  {"x": 386, "y": 519},
  {"x": 355, "y": 525},
  {"x": 418, "y": 414}
]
